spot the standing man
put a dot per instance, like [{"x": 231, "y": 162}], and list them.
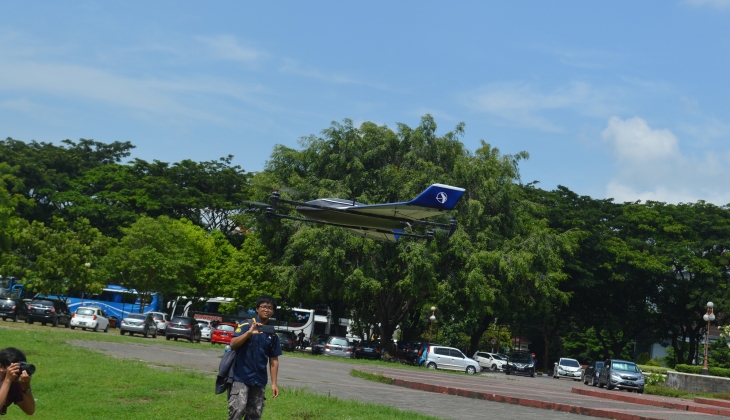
[
  {"x": 254, "y": 349},
  {"x": 301, "y": 339}
]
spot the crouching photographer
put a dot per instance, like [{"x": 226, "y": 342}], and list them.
[{"x": 15, "y": 375}]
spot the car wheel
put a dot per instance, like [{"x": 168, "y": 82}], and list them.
[
  {"x": 167, "y": 337},
  {"x": 121, "y": 332},
  {"x": 532, "y": 375},
  {"x": 68, "y": 324},
  {"x": 191, "y": 339},
  {"x": 200, "y": 338},
  {"x": 493, "y": 367},
  {"x": 470, "y": 370},
  {"x": 5, "y": 319},
  {"x": 593, "y": 381},
  {"x": 96, "y": 327},
  {"x": 31, "y": 321},
  {"x": 15, "y": 318},
  {"x": 55, "y": 323},
  {"x": 73, "y": 328},
  {"x": 155, "y": 334},
  {"x": 432, "y": 365},
  {"x": 43, "y": 323},
  {"x": 600, "y": 384},
  {"x": 175, "y": 338},
  {"x": 507, "y": 372},
  {"x": 106, "y": 330},
  {"x": 585, "y": 380},
  {"x": 609, "y": 387}
]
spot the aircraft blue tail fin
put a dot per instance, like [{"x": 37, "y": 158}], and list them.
[{"x": 438, "y": 196}]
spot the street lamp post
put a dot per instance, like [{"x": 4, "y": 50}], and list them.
[
  {"x": 709, "y": 317},
  {"x": 431, "y": 318}
]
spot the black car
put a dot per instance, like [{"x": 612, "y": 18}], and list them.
[
  {"x": 14, "y": 309},
  {"x": 520, "y": 362},
  {"x": 367, "y": 350},
  {"x": 590, "y": 375},
  {"x": 621, "y": 374},
  {"x": 319, "y": 343},
  {"x": 183, "y": 327},
  {"x": 47, "y": 311},
  {"x": 286, "y": 340}
]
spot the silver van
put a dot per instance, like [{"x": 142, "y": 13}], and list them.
[{"x": 449, "y": 358}]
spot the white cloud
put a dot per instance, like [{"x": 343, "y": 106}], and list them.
[
  {"x": 521, "y": 104},
  {"x": 715, "y": 4},
  {"x": 651, "y": 166},
  {"x": 226, "y": 47}
]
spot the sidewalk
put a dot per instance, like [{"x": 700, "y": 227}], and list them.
[{"x": 549, "y": 394}]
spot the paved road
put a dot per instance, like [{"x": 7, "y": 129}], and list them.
[{"x": 329, "y": 377}]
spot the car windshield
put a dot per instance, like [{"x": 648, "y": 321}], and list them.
[
  {"x": 625, "y": 366},
  {"x": 569, "y": 363},
  {"x": 85, "y": 312},
  {"x": 183, "y": 321},
  {"x": 225, "y": 328},
  {"x": 136, "y": 316},
  {"x": 521, "y": 357},
  {"x": 42, "y": 303},
  {"x": 339, "y": 342},
  {"x": 498, "y": 357}
]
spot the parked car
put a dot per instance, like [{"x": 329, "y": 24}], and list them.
[
  {"x": 183, "y": 327},
  {"x": 223, "y": 333},
  {"x": 338, "y": 347},
  {"x": 319, "y": 343},
  {"x": 489, "y": 360},
  {"x": 520, "y": 362},
  {"x": 567, "y": 368},
  {"x": 449, "y": 358},
  {"x": 161, "y": 319},
  {"x": 621, "y": 374},
  {"x": 14, "y": 309},
  {"x": 139, "y": 323},
  {"x": 590, "y": 374},
  {"x": 90, "y": 317},
  {"x": 367, "y": 350},
  {"x": 53, "y": 311},
  {"x": 286, "y": 340},
  {"x": 206, "y": 329}
]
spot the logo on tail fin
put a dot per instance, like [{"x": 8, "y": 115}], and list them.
[{"x": 441, "y": 197}]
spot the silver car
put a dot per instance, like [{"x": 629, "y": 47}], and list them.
[
  {"x": 139, "y": 323},
  {"x": 450, "y": 358},
  {"x": 338, "y": 347}
]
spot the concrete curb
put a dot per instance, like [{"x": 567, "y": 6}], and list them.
[
  {"x": 547, "y": 405},
  {"x": 709, "y": 401},
  {"x": 657, "y": 403}
]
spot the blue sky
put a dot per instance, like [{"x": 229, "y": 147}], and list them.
[{"x": 619, "y": 99}]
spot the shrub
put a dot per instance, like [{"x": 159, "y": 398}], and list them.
[
  {"x": 654, "y": 362},
  {"x": 653, "y": 369},
  {"x": 714, "y": 371},
  {"x": 642, "y": 359},
  {"x": 655, "y": 379}
]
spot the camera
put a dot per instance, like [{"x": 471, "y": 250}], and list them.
[
  {"x": 27, "y": 368},
  {"x": 267, "y": 329}
]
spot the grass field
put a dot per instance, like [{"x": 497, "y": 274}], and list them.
[{"x": 75, "y": 383}]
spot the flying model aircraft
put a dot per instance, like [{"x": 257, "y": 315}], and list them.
[{"x": 384, "y": 222}]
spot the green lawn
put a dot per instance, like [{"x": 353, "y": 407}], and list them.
[{"x": 75, "y": 383}]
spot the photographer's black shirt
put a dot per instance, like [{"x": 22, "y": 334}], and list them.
[{"x": 15, "y": 395}]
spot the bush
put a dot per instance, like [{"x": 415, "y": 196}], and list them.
[
  {"x": 655, "y": 379},
  {"x": 688, "y": 369},
  {"x": 653, "y": 369},
  {"x": 654, "y": 362},
  {"x": 642, "y": 359}
]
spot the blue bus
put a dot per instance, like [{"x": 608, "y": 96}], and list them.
[{"x": 116, "y": 301}]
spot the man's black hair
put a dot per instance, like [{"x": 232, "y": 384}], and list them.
[
  {"x": 266, "y": 299},
  {"x": 10, "y": 355}
]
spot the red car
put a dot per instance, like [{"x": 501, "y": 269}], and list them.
[{"x": 223, "y": 333}]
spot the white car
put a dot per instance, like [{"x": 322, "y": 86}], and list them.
[
  {"x": 567, "y": 368},
  {"x": 90, "y": 317},
  {"x": 206, "y": 329},
  {"x": 161, "y": 319},
  {"x": 489, "y": 360}
]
